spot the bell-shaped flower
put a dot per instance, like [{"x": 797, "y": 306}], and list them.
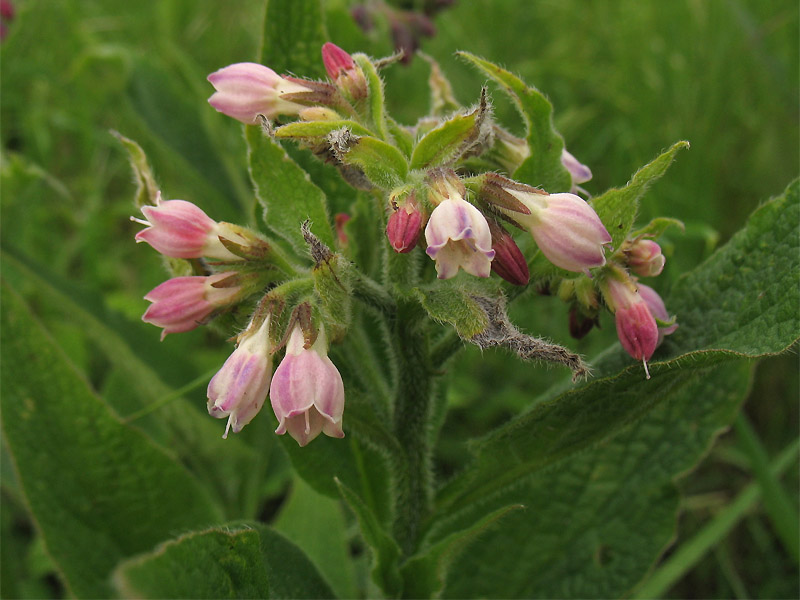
[
  {"x": 658, "y": 310},
  {"x": 636, "y": 327},
  {"x": 645, "y": 258},
  {"x": 307, "y": 392},
  {"x": 458, "y": 236},
  {"x": 239, "y": 388},
  {"x": 566, "y": 229},
  {"x": 182, "y": 303},
  {"x": 180, "y": 229},
  {"x": 246, "y": 90}
]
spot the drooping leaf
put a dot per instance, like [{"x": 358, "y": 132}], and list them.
[
  {"x": 98, "y": 489},
  {"x": 285, "y": 192},
  {"x": 239, "y": 561},
  {"x": 386, "y": 552},
  {"x": 543, "y": 167},
  {"x": 292, "y": 39}
]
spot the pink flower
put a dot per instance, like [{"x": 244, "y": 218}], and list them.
[
  {"x": 636, "y": 327},
  {"x": 404, "y": 227},
  {"x": 645, "y": 258},
  {"x": 458, "y": 236},
  {"x": 566, "y": 229},
  {"x": 180, "y": 229},
  {"x": 658, "y": 310},
  {"x": 239, "y": 388},
  {"x": 182, "y": 303},
  {"x": 246, "y": 90},
  {"x": 579, "y": 172},
  {"x": 307, "y": 392},
  {"x": 343, "y": 71}
]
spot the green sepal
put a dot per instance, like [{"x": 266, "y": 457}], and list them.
[
  {"x": 386, "y": 552},
  {"x": 383, "y": 164},
  {"x": 543, "y": 167},
  {"x": 452, "y": 139},
  {"x": 317, "y": 130}
]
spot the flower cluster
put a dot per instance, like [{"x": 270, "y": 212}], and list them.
[{"x": 445, "y": 189}]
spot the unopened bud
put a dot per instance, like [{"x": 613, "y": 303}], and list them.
[
  {"x": 508, "y": 262},
  {"x": 345, "y": 73},
  {"x": 645, "y": 258},
  {"x": 404, "y": 226}
]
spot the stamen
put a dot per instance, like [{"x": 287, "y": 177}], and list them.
[
  {"x": 308, "y": 423},
  {"x": 227, "y": 427},
  {"x": 646, "y": 371},
  {"x": 141, "y": 221}
]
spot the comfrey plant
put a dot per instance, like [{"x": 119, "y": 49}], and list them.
[{"x": 443, "y": 188}]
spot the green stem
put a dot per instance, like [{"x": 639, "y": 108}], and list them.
[
  {"x": 372, "y": 293},
  {"x": 411, "y": 416},
  {"x": 445, "y": 348}
]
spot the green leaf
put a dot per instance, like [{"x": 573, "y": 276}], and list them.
[
  {"x": 446, "y": 143},
  {"x": 617, "y": 208},
  {"x": 98, "y": 489},
  {"x": 656, "y": 228},
  {"x": 383, "y": 164},
  {"x": 454, "y": 305},
  {"x": 317, "y": 525},
  {"x": 285, "y": 192},
  {"x": 293, "y": 35},
  {"x": 311, "y": 130},
  {"x": 146, "y": 186},
  {"x": 424, "y": 573},
  {"x": 543, "y": 167},
  {"x": 386, "y": 552},
  {"x": 240, "y": 561}
]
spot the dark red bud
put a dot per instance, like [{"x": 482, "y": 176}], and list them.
[
  {"x": 339, "y": 220},
  {"x": 579, "y": 324},
  {"x": 509, "y": 262},
  {"x": 404, "y": 227}
]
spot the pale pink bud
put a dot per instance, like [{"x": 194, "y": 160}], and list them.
[
  {"x": 182, "y": 303},
  {"x": 458, "y": 237},
  {"x": 636, "y": 327},
  {"x": 509, "y": 262},
  {"x": 579, "y": 172},
  {"x": 239, "y": 388},
  {"x": 645, "y": 258},
  {"x": 404, "y": 227},
  {"x": 246, "y": 90},
  {"x": 307, "y": 392},
  {"x": 658, "y": 310},
  {"x": 180, "y": 229},
  {"x": 566, "y": 229}
]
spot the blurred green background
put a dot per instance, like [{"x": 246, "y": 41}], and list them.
[{"x": 627, "y": 79}]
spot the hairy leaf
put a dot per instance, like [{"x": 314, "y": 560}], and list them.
[
  {"x": 293, "y": 35},
  {"x": 451, "y": 304}
]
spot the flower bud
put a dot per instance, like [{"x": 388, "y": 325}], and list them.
[
  {"x": 180, "y": 229},
  {"x": 580, "y": 173},
  {"x": 636, "y": 327},
  {"x": 645, "y": 258},
  {"x": 239, "y": 388},
  {"x": 509, "y": 262},
  {"x": 566, "y": 229},
  {"x": 345, "y": 73},
  {"x": 182, "y": 303},
  {"x": 658, "y": 310},
  {"x": 246, "y": 90},
  {"x": 404, "y": 226},
  {"x": 307, "y": 392},
  {"x": 580, "y": 324},
  {"x": 458, "y": 236}
]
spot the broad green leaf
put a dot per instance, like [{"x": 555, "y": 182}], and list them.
[
  {"x": 451, "y": 304},
  {"x": 617, "y": 208},
  {"x": 111, "y": 492},
  {"x": 285, "y": 192},
  {"x": 543, "y": 167},
  {"x": 446, "y": 143},
  {"x": 293, "y": 35},
  {"x": 239, "y": 561},
  {"x": 424, "y": 573},
  {"x": 596, "y": 520},
  {"x": 386, "y": 552},
  {"x": 317, "y": 525}
]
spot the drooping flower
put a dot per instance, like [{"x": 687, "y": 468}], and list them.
[
  {"x": 246, "y": 90},
  {"x": 645, "y": 258},
  {"x": 458, "y": 236},
  {"x": 658, "y": 310},
  {"x": 239, "y": 388},
  {"x": 636, "y": 327},
  {"x": 307, "y": 392},
  {"x": 566, "y": 229},
  {"x": 180, "y": 229},
  {"x": 182, "y": 303}
]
